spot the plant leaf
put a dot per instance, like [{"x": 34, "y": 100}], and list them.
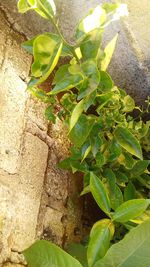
[
  {"x": 43, "y": 253},
  {"x": 78, "y": 251},
  {"x": 130, "y": 210},
  {"x": 100, "y": 237},
  {"x": 129, "y": 192},
  {"x": 76, "y": 114},
  {"x": 99, "y": 193},
  {"x": 132, "y": 251},
  {"x": 46, "y": 50},
  {"x": 139, "y": 167},
  {"x": 109, "y": 50},
  {"x": 81, "y": 130},
  {"x": 127, "y": 140}
]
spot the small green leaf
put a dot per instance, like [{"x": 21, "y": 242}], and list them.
[
  {"x": 49, "y": 114},
  {"x": 43, "y": 254},
  {"x": 81, "y": 130},
  {"x": 127, "y": 140},
  {"x": 67, "y": 82},
  {"x": 100, "y": 237},
  {"x": 129, "y": 104},
  {"x": 126, "y": 160},
  {"x": 47, "y": 7},
  {"x": 130, "y": 210},
  {"x": 85, "y": 191},
  {"x": 129, "y": 192},
  {"x": 23, "y": 6},
  {"x": 109, "y": 50},
  {"x": 139, "y": 167},
  {"x": 99, "y": 193},
  {"x": 106, "y": 83},
  {"x": 85, "y": 151},
  {"x": 132, "y": 251},
  {"x": 76, "y": 114}
]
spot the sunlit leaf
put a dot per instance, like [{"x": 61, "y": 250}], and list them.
[
  {"x": 130, "y": 209},
  {"x": 109, "y": 50},
  {"x": 127, "y": 140}
]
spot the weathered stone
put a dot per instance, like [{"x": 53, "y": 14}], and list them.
[
  {"x": 12, "y": 97},
  {"x": 53, "y": 226},
  {"x": 29, "y": 191}
]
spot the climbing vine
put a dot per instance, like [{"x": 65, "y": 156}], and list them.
[{"x": 109, "y": 146}]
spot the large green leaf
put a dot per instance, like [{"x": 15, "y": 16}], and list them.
[
  {"x": 43, "y": 254},
  {"x": 132, "y": 251},
  {"x": 46, "y": 50},
  {"x": 81, "y": 130},
  {"x": 100, "y": 237},
  {"x": 23, "y": 6},
  {"x": 127, "y": 140},
  {"x": 109, "y": 50},
  {"x": 130, "y": 209},
  {"x": 99, "y": 193}
]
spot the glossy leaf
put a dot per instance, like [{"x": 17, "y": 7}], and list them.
[
  {"x": 76, "y": 114},
  {"x": 81, "y": 130},
  {"x": 109, "y": 50},
  {"x": 46, "y": 50},
  {"x": 43, "y": 253},
  {"x": 28, "y": 45},
  {"x": 100, "y": 237},
  {"x": 127, "y": 140},
  {"x": 85, "y": 151},
  {"x": 130, "y": 210},
  {"x": 99, "y": 193},
  {"x": 126, "y": 160},
  {"x": 132, "y": 251}
]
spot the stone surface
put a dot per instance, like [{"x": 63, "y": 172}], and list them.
[{"x": 12, "y": 97}]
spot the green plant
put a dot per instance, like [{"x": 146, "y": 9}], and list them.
[{"x": 108, "y": 143}]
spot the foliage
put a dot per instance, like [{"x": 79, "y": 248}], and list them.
[{"x": 108, "y": 144}]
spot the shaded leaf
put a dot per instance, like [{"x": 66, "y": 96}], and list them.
[
  {"x": 129, "y": 192},
  {"x": 81, "y": 130},
  {"x": 78, "y": 251},
  {"x": 76, "y": 114},
  {"x": 99, "y": 193}
]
